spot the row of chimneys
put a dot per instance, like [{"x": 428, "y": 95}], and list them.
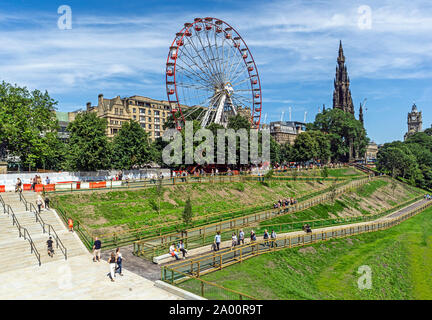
[{"x": 100, "y": 100}]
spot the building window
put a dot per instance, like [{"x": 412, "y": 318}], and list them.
[
  {"x": 116, "y": 110},
  {"x": 149, "y": 126},
  {"x": 134, "y": 117},
  {"x": 156, "y": 120},
  {"x": 142, "y": 119},
  {"x": 121, "y": 111},
  {"x": 114, "y": 131},
  {"x": 142, "y": 111},
  {"x": 149, "y": 119},
  {"x": 143, "y": 125},
  {"x": 149, "y": 112},
  {"x": 157, "y": 134},
  {"x": 134, "y": 110},
  {"x": 156, "y": 113},
  {"x": 157, "y": 127}
]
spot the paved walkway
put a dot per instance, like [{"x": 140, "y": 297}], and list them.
[{"x": 77, "y": 278}]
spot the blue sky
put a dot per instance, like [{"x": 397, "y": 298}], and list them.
[{"x": 120, "y": 48}]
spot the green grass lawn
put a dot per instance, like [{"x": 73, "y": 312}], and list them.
[
  {"x": 107, "y": 211},
  {"x": 400, "y": 259}
]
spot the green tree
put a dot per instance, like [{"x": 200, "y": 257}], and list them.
[
  {"x": 346, "y": 135},
  {"x": 28, "y": 125},
  {"x": 89, "y": 148},
  {"x": 187, "y": 212},
  {"x": 131, "y": 146}
]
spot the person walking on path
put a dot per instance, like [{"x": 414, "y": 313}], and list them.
[
  {"x": 253, "y": 236},
  {"x": 39, "y": 203},
  {"x": 112, "y": 264},
  {"x": 50, "y": 247},
  {"x": 273, "y": 236},
  {"x": 97, "y": 249},
  {"x": 241, "y": 237},
  {"x": 18, "y": 186},
  {"x": 181, "y": 248},
  {"x": 266, "y": 237},
  {"x": 234, "y": 240},
  {"x": 119, "y": 260},
  {"x": 70, "y": 224},
  {"x": 47, "y": 202},
  {"x": 217, "y": 240},
  {"x": 173, "y": 252}
]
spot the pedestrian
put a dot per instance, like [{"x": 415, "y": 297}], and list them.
[
  {"x": 119, "y": 260},
  {"x": 112, "y": 265},
  {"x": 173, "y": 252},
  {"x": 181, "y": 248},
  {"x": 47, "y": 181},
  {"x": 273, "y": 236},
  {"x": 241, "y": 237},
  {"x": 97, "y": 245},
  {"x": 252, "y": 236},
  {"x": 50, "y": 247},
  {"x": 266, "y": 237},
  {"x": 18, "y": 185},
  {"x": 39, "y": 203},
  {"x": 234, "y": 240},
  {"x": 70, "y": 224},
  {"x": 47, "y": 202},
  {"x": 217, "y": 240}
]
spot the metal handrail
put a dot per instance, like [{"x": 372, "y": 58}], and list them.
[
  {"x": 39, "y": 219},
  {"x": 21, "y": 230}
]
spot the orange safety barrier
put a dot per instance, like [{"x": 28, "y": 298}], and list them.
[
  {"x": 2, "y": 189},
  {"x": 101, "y": 184},
  {"x": 26, "y": 187},
  {"x": 47, "y": 187}
]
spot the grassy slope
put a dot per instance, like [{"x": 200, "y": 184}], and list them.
[
  {"x": 400, "y": 259},
  {"x": 131, "y": 209},
  {"x": 373, "y": 197}
]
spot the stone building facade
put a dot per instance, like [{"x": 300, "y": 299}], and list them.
[
  {"x": 414, "y": 122},
  {"x": 286, "y": 131},
  {"x": 150, "y": 113}
]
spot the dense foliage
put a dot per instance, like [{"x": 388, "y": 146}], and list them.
[
  {"x": 410, "y": 161},
  {"x": 28, "y": 131}
]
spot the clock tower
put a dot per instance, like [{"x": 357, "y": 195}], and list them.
[{"x": 414, "y": 122}]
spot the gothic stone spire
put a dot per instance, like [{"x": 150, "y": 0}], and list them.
[{"x": 342, "y": 94}]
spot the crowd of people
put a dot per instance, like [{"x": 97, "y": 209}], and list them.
[
  {"x": 282, "y": 203},
  {"x": 427, "y": 197},
  {"x": 33, "y": 182}
]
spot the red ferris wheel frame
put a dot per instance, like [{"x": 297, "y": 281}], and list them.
[{"x": 238, "y": 42}]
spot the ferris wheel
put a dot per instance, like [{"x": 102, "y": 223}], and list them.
[{"x": 211, "y": 75}]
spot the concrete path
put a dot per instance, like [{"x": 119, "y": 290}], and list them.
[{"x": 77, "y": 278}]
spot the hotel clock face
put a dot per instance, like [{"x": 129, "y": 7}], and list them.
[{"x": 413, "y": 118}]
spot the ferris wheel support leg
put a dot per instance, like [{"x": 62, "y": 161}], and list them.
[{"x": 220, "y": 109}]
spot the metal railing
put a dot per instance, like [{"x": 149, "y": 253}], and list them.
[
  {"x": 125, "y": 237},
  {"x": 207, "y": 263},
  {"x": 46, "y": 228},
  {"x": 150, "y": 247},
  {"x": 23, "y": 232},
  {"x": 149, "y": 251}
]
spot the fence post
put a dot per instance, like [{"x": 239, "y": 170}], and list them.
[{"x": 202, "y": 289}]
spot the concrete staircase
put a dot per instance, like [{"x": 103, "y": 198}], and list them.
[{"x": 15, "y": 251}]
